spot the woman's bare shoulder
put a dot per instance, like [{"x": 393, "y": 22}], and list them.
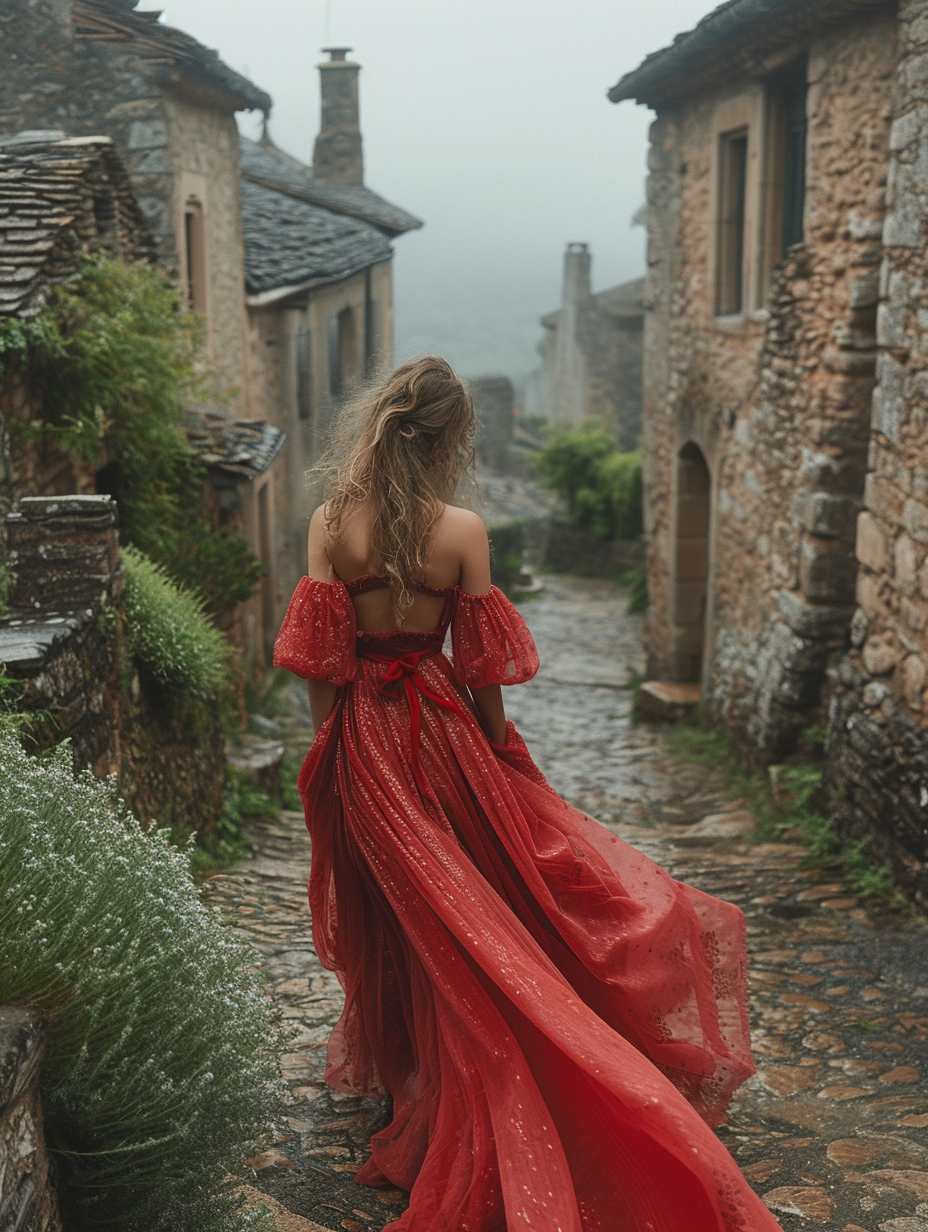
[
  {"x": 457, "y": 521},
  {"x": 462, "y": 536}
]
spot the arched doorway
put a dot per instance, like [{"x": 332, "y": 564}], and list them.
[{"x": 691, "y": 561}]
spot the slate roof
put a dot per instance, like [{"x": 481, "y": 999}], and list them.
[
  {"x": 623, "y": 301},
  {"x": 60, "y": 197},
  {"x": 245, "y": 447},
  {"x": 171, "y": 53},
  {"x": 263, "y": 163},
  {"x": 290, "y": 244},
  {"x": 735, "y": 41}
]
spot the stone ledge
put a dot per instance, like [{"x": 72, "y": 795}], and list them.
[
  {"x": 665, "y": 701},
  {"x": 813, "y": 620}
]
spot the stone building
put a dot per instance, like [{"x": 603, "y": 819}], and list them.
[
  {"x": 318, "y": 276},
  {"x": 289, "y": 265},
  {"x": 591, "y": 354},
  {"x": 786, "y": 483},
  {"x": 58, "y": 200}
]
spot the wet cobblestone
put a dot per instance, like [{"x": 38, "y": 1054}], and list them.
[{"x": 833, "y": 1129}]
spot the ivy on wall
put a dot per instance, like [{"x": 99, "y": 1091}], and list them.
[{"x": 111, "y": 362}]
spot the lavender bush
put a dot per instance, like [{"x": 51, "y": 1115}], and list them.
[{"x": 162, "y": 1056}]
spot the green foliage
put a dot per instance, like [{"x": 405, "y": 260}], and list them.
[
  {"x": 162, "y": 1053},
  {"x": 602, "y": 487},
  {"x": 289, "y": 773},
  {"x": 792, "y": 807},
  {"x": 171, "y": 633},
  {"x": 637, "y": 582},
  {"x": 112, "y": 360},
  {"x": 241, "y": 802},
  {"x": 507, "y": 542},
  {"x": 7, "y": 580}
]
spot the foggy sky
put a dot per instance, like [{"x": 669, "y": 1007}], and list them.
[{"x": 488, "y": 120}]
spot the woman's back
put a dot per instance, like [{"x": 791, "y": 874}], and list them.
[{"x": 457, "y": 557}]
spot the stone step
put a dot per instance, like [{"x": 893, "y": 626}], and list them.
[{"x": 665, "y": 701}]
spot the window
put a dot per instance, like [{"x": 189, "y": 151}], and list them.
[
  {"x": 794, "y": 167},
  {"x": 732, "y": 196},
  {"x": 304, "y": 373},
  {"x": 195, "y": 256},
  {"x": 785, "y": 170},
  {"x": 342, "y": 351}
]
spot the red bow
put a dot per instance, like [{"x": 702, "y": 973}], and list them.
[{"x": 407, "y": 670}]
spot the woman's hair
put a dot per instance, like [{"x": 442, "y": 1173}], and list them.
[{"x": 401, "y": 445}]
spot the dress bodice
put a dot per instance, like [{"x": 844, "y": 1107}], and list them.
[{"x": 319, "y": 638}]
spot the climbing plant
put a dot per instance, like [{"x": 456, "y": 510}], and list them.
[{"x": 111, "y": 361}]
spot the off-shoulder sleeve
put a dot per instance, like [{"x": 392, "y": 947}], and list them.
[
  {"x": 490, "y": 641},
  {"x": 317, "y": 637}
]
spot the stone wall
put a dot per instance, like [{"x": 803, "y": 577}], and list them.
[
  {"x": 65, "y": 639},
  {"x": 878, "y": 728},
  {"x": 494, "y": 401},
  {"x": 775, "y": 401},
  {"x": 174, "y": 143},
  {"x": 27, "y": 1197}
]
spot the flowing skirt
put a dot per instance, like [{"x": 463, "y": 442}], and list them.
[{"x": 557, "y": 1020}]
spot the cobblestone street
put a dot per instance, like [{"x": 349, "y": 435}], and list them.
[{"x": 832, "y": 1129}]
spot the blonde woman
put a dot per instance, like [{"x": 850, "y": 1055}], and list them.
[{"x": 557, "y": 1020}]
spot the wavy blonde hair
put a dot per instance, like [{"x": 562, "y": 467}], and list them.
[{"x": 401, "y": 445}]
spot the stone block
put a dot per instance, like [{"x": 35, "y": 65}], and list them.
[
  {"x": 811, "y": 620},
  {"x": 915, "y": 520},
  {"x": 860, "y": 627},
  {"x": 261, "y": 761},
  {"x": 914, "y": 675},
  {"x": 906, "y": 560},
  {"x": 64, "y": 551},
  {"x": 827, "y": 571},
  {"x": 827, "y": 515},
  {"x": 864, "y": 291},
  {"x": 871, "y": 544},
  {"x": 665, "y": 701},
  {"x": 880, "y": 654}
]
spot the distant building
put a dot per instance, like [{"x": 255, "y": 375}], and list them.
[
  {"x": 786, "y": 483},
  {"x": 318, "y": 275},
  {"x": 591, "y": 354}
]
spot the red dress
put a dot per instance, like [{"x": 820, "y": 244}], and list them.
[{"x": 557, "y": 1020}]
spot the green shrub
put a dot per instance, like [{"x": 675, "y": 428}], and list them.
[
  {"x": 601, "y": 486},
  {"x": 162, "y": 1054},
  {"x": 637, "y": 582},
  {"x": 112, "y": 360},
  {"x": 170, "y": 632}
]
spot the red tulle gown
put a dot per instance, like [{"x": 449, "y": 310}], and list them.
[{"x": 557, "y": 1020}]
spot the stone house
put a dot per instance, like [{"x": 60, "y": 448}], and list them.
[
  {"x": 592, "y": 354},
  {"x": 289, "y": 265},
  {"x": 58, "y": 199},
  {"x": 786, "y": 483},
  {"x": 318, "y": 277}
]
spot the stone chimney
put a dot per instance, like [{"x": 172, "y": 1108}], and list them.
[
  {"x": 337, "y": 156},
  {"x": 576, "y": 274}
]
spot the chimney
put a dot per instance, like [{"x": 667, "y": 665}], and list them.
[
  {"x": 337, "y": 157},
  {"x": 576, "y": 274}
]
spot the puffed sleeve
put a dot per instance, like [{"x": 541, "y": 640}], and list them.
[
  {"x": 490, "y": 641},
  {"x": 317, "y": 637}
]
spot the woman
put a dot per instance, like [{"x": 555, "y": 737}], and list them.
[{"x": 556, "y": 1019}]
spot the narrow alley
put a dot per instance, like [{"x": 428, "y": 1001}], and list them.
[{"x": 831, "y": 1130}]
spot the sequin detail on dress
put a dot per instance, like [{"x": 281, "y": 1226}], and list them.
[{"x": 555, "y": 1017}]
